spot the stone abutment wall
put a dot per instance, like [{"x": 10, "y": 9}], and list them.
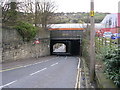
[{"x": 13, "y": 47}]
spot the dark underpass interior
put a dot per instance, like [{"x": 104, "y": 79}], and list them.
[{"x": 65, "y": 47}]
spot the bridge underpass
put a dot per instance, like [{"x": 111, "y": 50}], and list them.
[
  {"x": 72, "y": 47},
  {"x": 68, "y": 35},
  {"x": 47, "y": 72}
]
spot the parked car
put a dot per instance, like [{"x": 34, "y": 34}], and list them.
[
  {"x": 107, "y": 34},
  {"x": 115, "y": 36}
]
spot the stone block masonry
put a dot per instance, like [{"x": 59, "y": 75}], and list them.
[{"x": 15, "y": 49}]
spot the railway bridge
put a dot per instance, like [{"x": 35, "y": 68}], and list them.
[{"x": 69, "y": 35}]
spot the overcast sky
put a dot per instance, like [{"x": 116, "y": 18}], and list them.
[
  {"x": 110, "y": 6},
  {"x": 84, "y": 5}
]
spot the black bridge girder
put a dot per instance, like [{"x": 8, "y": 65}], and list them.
[{"x": 72, "y": 47}]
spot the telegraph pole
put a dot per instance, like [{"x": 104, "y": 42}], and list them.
[
  {"x": 92, "y": 43},
  {"x": 119, "y": 24}
]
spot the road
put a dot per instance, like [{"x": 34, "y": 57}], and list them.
[
  {"x": 56, "y": 72},
  {"x": 60, "y": 49}
]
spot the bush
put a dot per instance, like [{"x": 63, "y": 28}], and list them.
[
  {"x": 26, "y": 30},
  {"x": 101, "y": 52},
  {"x": 112, "y": 66}
]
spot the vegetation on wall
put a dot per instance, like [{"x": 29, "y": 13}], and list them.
[
  {"x": 112, "y": 65},
  {"x": 26, "y": 30},
  {"x": 108, "y": 56},
  {"x": 86, "y": 45}
]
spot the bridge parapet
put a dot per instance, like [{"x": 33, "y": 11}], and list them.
[{"x": 66, "y": 34}]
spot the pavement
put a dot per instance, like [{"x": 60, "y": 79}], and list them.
[{"x": 44, "y": 72}]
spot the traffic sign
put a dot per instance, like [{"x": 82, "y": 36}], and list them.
[
  {"x": 36, "y": 42},
  {"x": 92, "y": 13}
]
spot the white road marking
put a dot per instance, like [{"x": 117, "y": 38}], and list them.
[
  {"x": 8, "y": 84},
  {"x": 39, "y": 62},
  {"x": 54, "y": 64},
  {"x": 38, "y": 71},
  {"x": 27, "y": 65}
]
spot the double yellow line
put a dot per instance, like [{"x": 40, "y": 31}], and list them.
[{"x": 77, "y": 85}]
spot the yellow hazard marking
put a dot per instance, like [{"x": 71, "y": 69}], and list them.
[
  {"x": 11, "y": 69},
  {"x": 92, "y": 13}
]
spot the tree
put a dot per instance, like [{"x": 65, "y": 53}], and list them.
[
  {"x": 34, "y": 12},
  {"x": 18, "y": 11},
  {"x": 9, "y": 12},
  {"x": 44, "y": 12},
  {"x": 26, "y": 11},
  {"x": 26, "y": 30}
]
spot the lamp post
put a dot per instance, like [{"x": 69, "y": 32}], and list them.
[{"x": 92, "y": 43}]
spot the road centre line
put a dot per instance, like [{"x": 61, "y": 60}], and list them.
[
  {"x": 8, "y": 84},
  {"x": 28, "y": 65},
  {"x": 38, "y": 71},
  {"x": 54, "y": 64},
  {"x": 39, "y": 62},
  {"x": 25, "y": 65}
]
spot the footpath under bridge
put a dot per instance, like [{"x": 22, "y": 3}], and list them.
[{"x": 68, "y": 34}]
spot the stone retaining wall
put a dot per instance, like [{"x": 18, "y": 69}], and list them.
[
  {"x": 14, "y": 48},
  {"x": 0, "y": 44},
  {"x": 103, "y": 81}
]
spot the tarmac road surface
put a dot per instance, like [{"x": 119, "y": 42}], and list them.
[{"x": 55, "y": 72}]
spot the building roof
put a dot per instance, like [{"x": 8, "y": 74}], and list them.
[
  {"x": 110, "y": 21},
  {"x": 71, "y": 26}
]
